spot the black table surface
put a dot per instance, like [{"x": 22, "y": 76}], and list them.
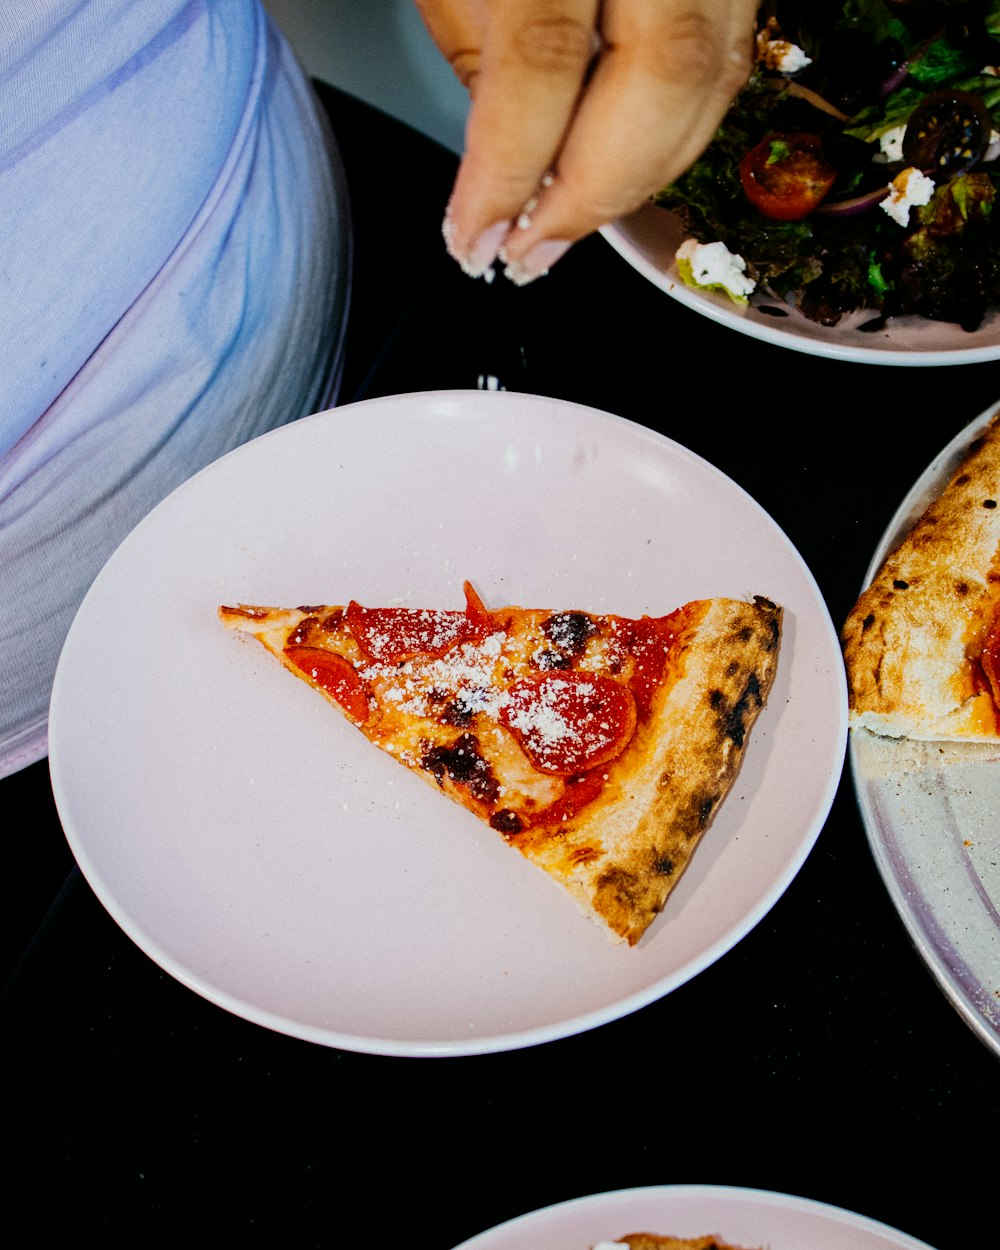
[{"x": 817, "y": 1058}]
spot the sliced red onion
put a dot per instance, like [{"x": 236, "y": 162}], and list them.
[
  {"x": 902, "y": 70},
  {"x": 853, "y": 207},
  {"x": 896, "y": 79},
  {"x": 817, "y": 101}
]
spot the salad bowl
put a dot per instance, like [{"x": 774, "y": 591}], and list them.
[
  {"x": 850, "y": 109},
  {"x": 648, "y": 240}
]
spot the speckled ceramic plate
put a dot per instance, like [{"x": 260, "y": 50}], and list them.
[
  {"x": 649, "y": 238},
  {"x": 932, "y": 815}
]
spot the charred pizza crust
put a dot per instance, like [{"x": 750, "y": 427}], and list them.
[
  {"x": 913, "y": 641},
  {"x": 615, "y": 832}
]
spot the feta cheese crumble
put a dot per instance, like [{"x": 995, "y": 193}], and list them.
[
  {"x": 890, "y": 143},
  {"x": 910, "y": 189},
  {"x": 714, "y": 265},
  {"x": 779, "y": 54}
]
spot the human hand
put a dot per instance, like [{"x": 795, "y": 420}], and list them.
[{"x": 580, "y": 110}]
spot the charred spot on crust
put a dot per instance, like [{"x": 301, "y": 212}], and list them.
[
  {"x": 734, "y": 718},
  {"x": 664, "y": 866},
  {"x": 252, "y": 614},
  {"x": 568, "y": 631},
  {"x": 900, "y": 584},
  {"x": 745, "y": 634},
  {"x": 762, "y": 602},
  {"x": 548, "y": 660},
  {"x": 457, "y": 712},
  {"x": 629, "y": 887},
  {"x": 301, "y": 631},
  {"x": 506, "y": 822},
  {"x": 989, "y": 503},
  {"x": 309, "y": 609},
  {"x": 463, "y": 764},
  {"x": 961, "y": 589},
  {"x": 706, "y": 805},
  {"x": 460, "y": 710},
  {"x": 868, "y": 622}
]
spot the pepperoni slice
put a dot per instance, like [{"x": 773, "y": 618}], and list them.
[
  {"x": 648, "y": 640},
  {"x": 389, "y": 635},
  {"x": 570, "y": 721},
  {"x": 335, "y": 675}
]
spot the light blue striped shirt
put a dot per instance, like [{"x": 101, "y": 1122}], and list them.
[{"x": 174, "y": 274}]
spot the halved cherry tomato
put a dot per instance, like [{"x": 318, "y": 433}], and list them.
[
  {"x": 948, "y": 133},
  {"x": 335, "y": 675},
  {"x": 786, "y": 175}
]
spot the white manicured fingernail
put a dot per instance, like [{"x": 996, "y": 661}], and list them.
[
  {"x": 535, "y": 263},
  {"x": 478, "y": 260}
]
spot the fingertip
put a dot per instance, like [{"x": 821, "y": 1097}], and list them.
[
  {"x": 475, "y": 256},
  {"x": 536, "y": 262}
]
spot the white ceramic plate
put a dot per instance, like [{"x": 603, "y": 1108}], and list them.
[
  {"x": 256, "y": 846},
  {"x": 649, "y": 238},
  {"x": 931, "y": 814},
  {"x": 743, "y": 1217}
]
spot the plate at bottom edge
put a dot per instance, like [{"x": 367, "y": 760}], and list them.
[
  {"x": 930, "y": 815},
  {"x": 259, "y": 849},
  {"x": 649, "y": 238},
  {"x": 748, "y": 1218}
]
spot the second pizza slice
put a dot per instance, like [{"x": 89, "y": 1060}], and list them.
[{"x": 599, "y": 746}]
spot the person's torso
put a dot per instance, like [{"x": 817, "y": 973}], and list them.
[{"x": 115, "y": 119}]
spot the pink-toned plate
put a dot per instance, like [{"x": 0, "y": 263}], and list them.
[
  {"x": 742, "y": 1217},
  {"x": 259, "y": 849}
]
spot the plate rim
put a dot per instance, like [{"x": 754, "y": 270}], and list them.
[{"x": 493, "y": 1238}]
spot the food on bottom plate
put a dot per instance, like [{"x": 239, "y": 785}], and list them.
[
  {"x": 654, "y": 1241},
  {"x": 599, "y": 746},
  {"x": 922, "y": 643},
  {"x": 858, "y": 168}
]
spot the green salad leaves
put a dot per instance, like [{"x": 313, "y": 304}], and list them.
[{"x": 847, "y": 101}]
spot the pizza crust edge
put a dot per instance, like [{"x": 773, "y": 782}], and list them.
[{"x": 908, "y": 640}]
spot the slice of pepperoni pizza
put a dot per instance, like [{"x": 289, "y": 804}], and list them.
[{"x": 600, "y": 746}]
